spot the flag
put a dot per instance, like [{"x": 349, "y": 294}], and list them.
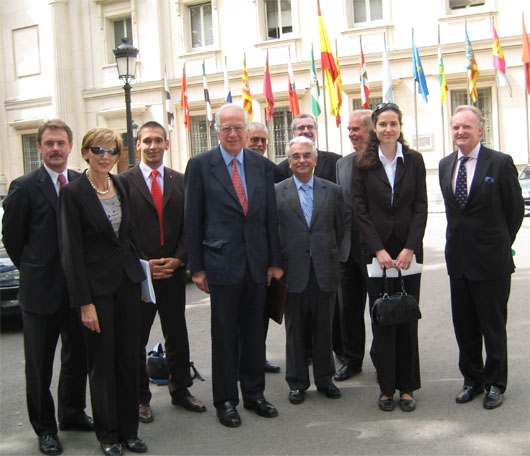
[
  {"x": 329, "y": 66},
  {"x": 417, "y": 71},
  {"x": 247, "y": 97},
  {"x": 338, "y": 86},
  {"x": 184, "y": 101},
  {"x": 315, "y": 89},
  {"x": 169, "y": 107},
  {"x": 228, "y": 92},
  {"x": 526, "y": 58},
  {"x": 441, "y": 70},
  {"x": 388, "y": 96},
  {"x": 206, "y": 95},
  {"x": 472, "y": 70},
  {"x": 267, "y": 90},
  {"x": 365, "y": 87},
  {"x": 294, "y": 107},
  {"x": 499, "y": 63}
]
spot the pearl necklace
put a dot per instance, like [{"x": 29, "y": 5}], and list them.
[{"x": 99, "y": 192}]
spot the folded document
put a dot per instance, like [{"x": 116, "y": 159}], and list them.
[{"x": 375, "y": 271}]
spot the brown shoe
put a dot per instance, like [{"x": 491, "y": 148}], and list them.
[
  {"x": 190, "y": 403},
  {"x": 145, "y": 414}
]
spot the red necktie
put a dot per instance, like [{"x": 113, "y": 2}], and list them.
[
  {"x": 62, "y": 181},
  {"x": 238, "y": 185},
  {"x": 156, "y": 193}
]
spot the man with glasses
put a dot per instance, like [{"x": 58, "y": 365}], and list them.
[{"x": 231, "y": 227}]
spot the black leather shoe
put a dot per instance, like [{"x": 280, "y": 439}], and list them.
[
  {"x": 85, "y": 423},
  {"x": 407, "y": 405},
  {"x": 189, "y": 402},
  {"x": 492, "y": 398},
  {"x": 135, "y": 445},
  {"x": 468, "y": 393},
  {"x": 50, "y": 444},
  {"x": 386, "y": 405},
  {"x": 112, "y": 449},
  {"x": 346, "y": 372},
  {"x": 228, "y": 415},
  {"x": 271, "y": 368},
  {"x": 262, "y": 408},
  {"x": 331, "y": 391},
  {"x": 296, "y": 396}
]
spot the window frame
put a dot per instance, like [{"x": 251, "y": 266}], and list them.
[
  {"x": 189, "y": 8},
  {"x": 31, "y": 157},
  {"x": 279, "y": 135},
  {"x": 279, "y": 12},
  {"x": 198, "y": 123}
]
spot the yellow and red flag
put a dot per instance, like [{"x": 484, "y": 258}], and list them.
[
  {"x": 526, "y": 58},
  {"x": 441, "y": 70},
  {"x": 338, "y": 86},
  {"x": 267, "y": 91},
  {"x": 472, "y": 70},
  {"x": 499, "y": 63},
  {"x": 247, "y": 98},
  {"x": 294, "y": 107},
  {"x": 184, "y": 101}
]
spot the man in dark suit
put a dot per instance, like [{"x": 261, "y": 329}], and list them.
[
  {"x": 311, "y": 217},
  {"x": 352, "y": 290},
  {"x": 306, "y": 125},
  {"x": 231, "y": 228},
  {"x": 161, "y": 236},
  {"x": 257, "y": 139},
  {"x": 484, "y": 209},
  {"x": 29, "y": 230}
]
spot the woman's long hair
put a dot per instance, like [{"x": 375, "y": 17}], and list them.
[{"x": 369, "y": 156}]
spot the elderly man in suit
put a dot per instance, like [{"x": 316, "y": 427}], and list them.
[
  {"x": 484, "y": 209},
  {"x": 352, "y": 290},
  {"x": 311, "y": 217},
  {"x": 231, "y": 227},
  {"x": 29, "y": 230},
  {"x": 157, "y": 206}
]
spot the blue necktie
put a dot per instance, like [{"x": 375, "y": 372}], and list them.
[
  {"x": 307, "y": 202},
  {"x": 461, "y": 183}
]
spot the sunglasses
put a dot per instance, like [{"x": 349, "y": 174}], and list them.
[
  {"x": 382, "y": 106},
  {"x": 102, "y": 150}
]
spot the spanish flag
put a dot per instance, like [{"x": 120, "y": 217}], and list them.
[
  {"x": 247, "y": 98},
  {"x": 184, "y": 101}
]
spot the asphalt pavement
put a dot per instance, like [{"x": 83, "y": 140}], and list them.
[{"x": 352, "y": 425}]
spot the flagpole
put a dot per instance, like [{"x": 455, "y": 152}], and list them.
[
  {"x": 442, "y": 105},
  {"x": 415, "y": 102},
  {"x": 340, "y": 125},
  {"x": 527, "y": 84},
  {"x": 208, "y": 136},
  {"x": 325, "y": 108}
]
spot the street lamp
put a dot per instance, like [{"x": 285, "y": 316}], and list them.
[{"x": 125, "y": 55}]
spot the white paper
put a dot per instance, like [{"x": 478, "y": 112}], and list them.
[
  {"x": 375, "y": 271},
  {"x": 148, "y": 292}
]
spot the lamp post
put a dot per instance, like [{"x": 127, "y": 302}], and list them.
[{"x": 125, "y": 55}]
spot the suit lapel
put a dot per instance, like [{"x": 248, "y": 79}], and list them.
[
  {"x": 251, "y": 175},
  {"x": 447, "y": 178},
  {"x": 292, "y": 198},
  {"x": 320, "y": 195},
  {"x": 483, "y": 164},
  {"x": 137, "y": 179},
  {"x": 47, "y": 188},
  {"x": 321, "y": 161},
  {"x": 219, "y": 171},
  {"x": 168, "y": 186}
]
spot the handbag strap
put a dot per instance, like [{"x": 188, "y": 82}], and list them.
[
  {"x": 403, "y": 291},
  {"x": 385, "y": 283}
]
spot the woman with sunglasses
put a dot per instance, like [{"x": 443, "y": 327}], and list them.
[
  {"x": 390, "y": 203},
  {"x": 101, "y": 263}
]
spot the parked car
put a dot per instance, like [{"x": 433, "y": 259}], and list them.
[
  {"x": 524, "y": 180},
  {"x": 9, "y": 280}
]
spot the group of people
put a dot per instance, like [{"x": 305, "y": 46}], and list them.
[{"x": 238, "y": 220}]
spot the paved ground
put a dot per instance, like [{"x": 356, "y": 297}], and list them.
[{"x": 320, "y": 426}]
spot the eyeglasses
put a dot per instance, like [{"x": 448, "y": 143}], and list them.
[
  {"x": 256, "y": 139},
  {"x": 102, "y": 150},
  {"x": 228, "y": 129},
  {"x": 305, "y": 127},
  {"x": 382, "y": 106}
]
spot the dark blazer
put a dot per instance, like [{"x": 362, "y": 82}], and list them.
[
  {"x": 378, "y": 218},
  {"x": 94, "y": 259},
  {"x": 351, "y": 229},
  {"x": 479, "y": 236},
  {"x": 321, "y": 238},
  {"x": 145, "y": 216},
  {"x": 325, "y": 169},
  {"x": 29, "y": 230},
  {"x": 221, "y": 239}
]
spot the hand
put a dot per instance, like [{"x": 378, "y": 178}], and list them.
[
  {"x": 277, "y": 273},
  {"x": 404, "y": 259},
  {"x": 199, "y": 279},
  {"x": 89, "y": 317},
  {"x": 163, "y": 268},
  {"x": 384, "y": 259}
]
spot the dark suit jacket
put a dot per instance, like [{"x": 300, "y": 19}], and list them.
[
  {"x": 221, "y": 240},
  {"x": 479, "y": 236},
  {"x": 321, "y": 238},
  {"x": 145, "y": 216},
  {"x": 350, "y": 242},
  {"x": 94, "y": 259},
  {"x": 325, "y": 169},
  {"x": 29, "y": 230},
  {"x": 378, "y": 218}
]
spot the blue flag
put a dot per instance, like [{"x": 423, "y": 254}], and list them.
[{"x": 417, "y": 71}]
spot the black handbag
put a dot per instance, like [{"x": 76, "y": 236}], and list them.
[
  {"x": 396, "y": 308},
  {"x": 157, "y": 369}
]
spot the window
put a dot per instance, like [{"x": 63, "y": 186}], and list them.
[
  {"x": 372, "y": 101},
  {"x": 201, "y": 25},
  {"x": 31, "y": 155},
  {"x": 278, "y": 18},
  {"x": 122, "y": 29},
  {"x": 279, "y": 130},
  {"x": 484, "y": 103},
  {"x": 367, "y": 10},
  {"x": 199, "y": 136},
  {"x": 461, "y": 4}
]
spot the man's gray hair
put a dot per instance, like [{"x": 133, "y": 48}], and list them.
[
  {"x": 366, "y": 117},
  {"x": 302, "y": 140},
  {"x": 230, "y": 106},
  {"x": 474, "y": 110},
  {"x": 302, "y": 116},
  {"x": 257, "y": 126}
]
